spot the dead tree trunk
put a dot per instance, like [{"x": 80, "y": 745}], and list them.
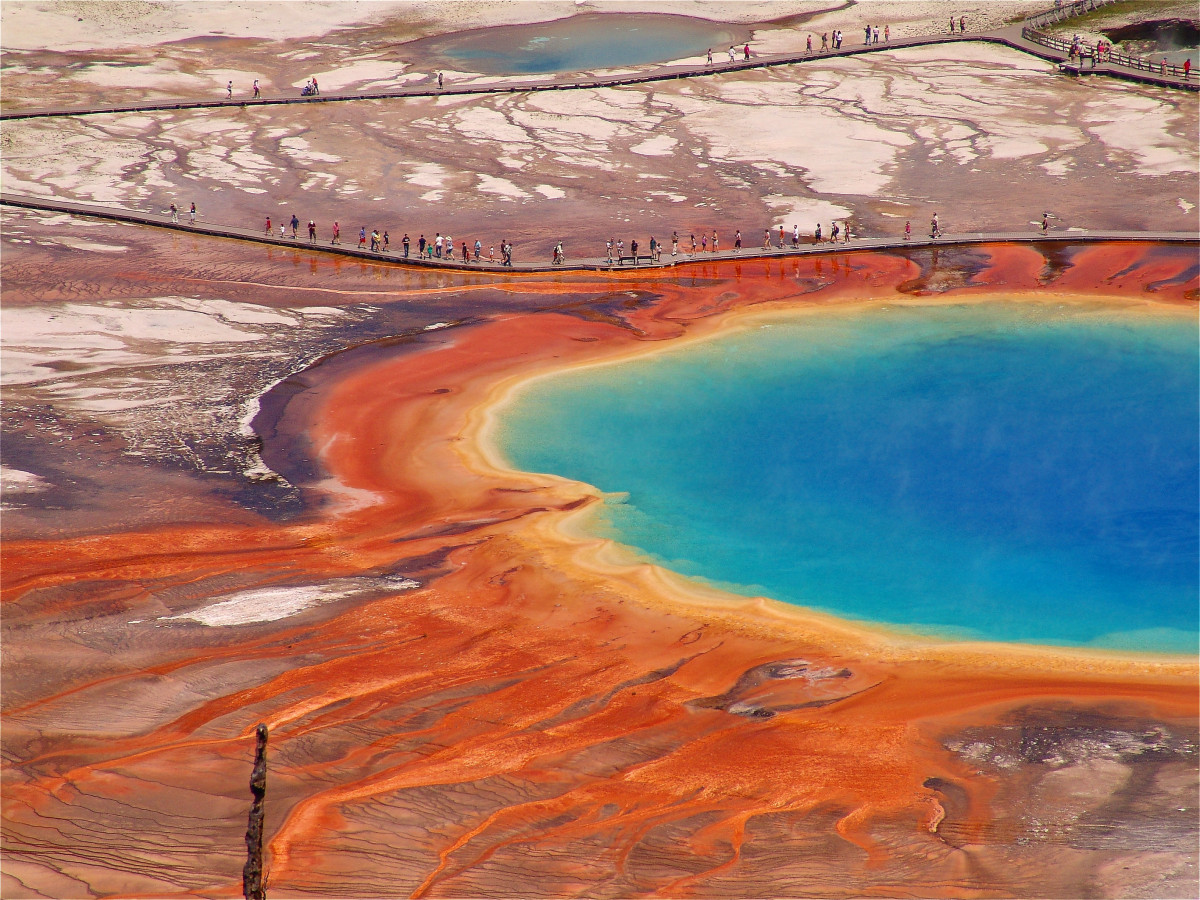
[{"x": 252, "y": 873}]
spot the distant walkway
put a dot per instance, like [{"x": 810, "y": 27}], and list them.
[
  {"x": 575, "y": 264},
  {"x": 1017, "y": 37}
]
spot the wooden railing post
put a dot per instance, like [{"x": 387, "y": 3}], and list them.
[{"x": 253, "y": 887}]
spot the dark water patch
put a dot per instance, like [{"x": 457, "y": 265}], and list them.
[
  {"x": 610, "y": 308},
  {"x": 1059, "y": 259},
  {"x": 1174, "y": 40},
  {"x": 1164, "y": 34},
  {"x": 578, "y": 43},
  {"x": 1192, "y": 273},
  {"x": 798, "y": 19},
  {"x": 943, "y": 268}
]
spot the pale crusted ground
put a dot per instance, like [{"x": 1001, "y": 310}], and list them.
[{"x": 886, "y": 137}]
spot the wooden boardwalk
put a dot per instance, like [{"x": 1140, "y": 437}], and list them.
[
  {"x": 576, "y": 264},
  {"x": 1009, "y": 37}
]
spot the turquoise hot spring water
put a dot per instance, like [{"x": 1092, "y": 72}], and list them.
[
  {"x": 1000, "y": 471},
  {"x": 579, "y": 43}
]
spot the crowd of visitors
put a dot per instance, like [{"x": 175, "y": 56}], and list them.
[
  {"x": 614, "y": 248},
  {"x": 442, "y": 247}
]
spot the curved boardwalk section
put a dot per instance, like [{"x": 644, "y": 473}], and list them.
[{"x": 1015, "y": 37}]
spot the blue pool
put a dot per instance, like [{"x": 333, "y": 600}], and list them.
[
  {"x": 1005, "y": 471},
  {"x": 579, "y": 43}
]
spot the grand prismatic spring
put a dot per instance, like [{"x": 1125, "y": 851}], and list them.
[{"x": 848, "y": 570}]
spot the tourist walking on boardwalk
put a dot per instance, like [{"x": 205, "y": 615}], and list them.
[
  {"x": 337, "y": 233},
  {"x": 362, "y": 237},
  {"x": 766, "y": 239},
  {"x": 192, "y": 215},
  {"x": 608, "y": 245},
  {"x": 952, "y": 24},
  {"x": 386, "y": 241},
  {"x": 316, "y": 90},
  {"x": 704, "y": 243},
  {"x": 295, "y": 225},
  {"x": 282, "y": 231},
  {"x": 466, "y": 254},
  {"x": 834, "y": 231},
  {"x": 653, "y": 249},
  {"x": 620, "y": 251},
  {"x": 825, "y": 40},
  {"x": 449, "y": 248},
  {"x": 795, "y": 237},
  {"x": 312, "y": 230},
  {"x": 1187, "y": 69},
  {"x": 478, "y": 249},
  {"x": 714, "y": 249},
  {"x": 887, "y": 33},
  {"x": 709, "y": 63},
  {"x": 780, "y": 237},
  {"x": 808, "y": 49},
  {"x": 267, "y": 230},
  {"x": 732, "y": 54},
  {"x": 174, "y": 214},
  {"x": 737, "y": 242},
  {"x": 907, "y": 230},
  {"x": 421, "y": 247},
  {"x": 817, "y": 234},
  {"x": 257, "y": 92},
  {"x": 674, "y": 242},
  {"x": 1045, "y": 222},
  {"x": 438, "y": 240},
  {"x": 229, "y": 91},
  {"x": 404, "y": 242},
  {"x": 746, "y": 50},
  {"x": 935, "y": 229},
  {"x": 693, "y": 245},
  {"x": 962, "y": 24},
  {"x": 506, "y": 250},
  {"x": 633, "y": 247},
  {"x": 439, "y": 81}
]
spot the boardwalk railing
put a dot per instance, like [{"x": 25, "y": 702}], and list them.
[
  {"x": 1065, "y": 11},
  {"x": 1085, "y": 50}
]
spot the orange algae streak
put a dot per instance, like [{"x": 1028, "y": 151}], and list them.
[{"x": 537, "y": 719}]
